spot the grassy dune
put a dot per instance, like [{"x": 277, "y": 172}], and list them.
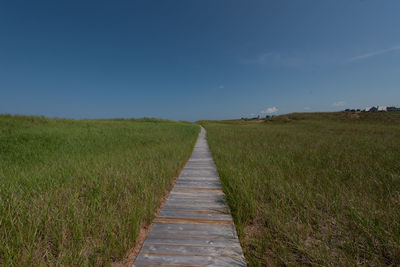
[
  {"x": 77, "y": 192},
  {"x": 313, "y": 189}
]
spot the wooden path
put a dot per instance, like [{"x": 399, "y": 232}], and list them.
[{"x": 195, "y": 227}]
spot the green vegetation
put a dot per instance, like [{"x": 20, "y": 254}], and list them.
[
  {"x": 77, "y": 192},
  {"x": 313, "y": 189}
]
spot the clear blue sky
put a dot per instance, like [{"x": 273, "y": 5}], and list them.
[{"x": 197, "y": 59}]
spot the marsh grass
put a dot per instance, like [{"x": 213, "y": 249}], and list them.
[
  {"x": 313, "y": 189},
  {"x": 77, "y": 192}
]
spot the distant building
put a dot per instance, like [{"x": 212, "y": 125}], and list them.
[
  {"x": 377, "y": 109},
  {"x": 393, "y": 109},
  {"x": 382, "y": 108}
]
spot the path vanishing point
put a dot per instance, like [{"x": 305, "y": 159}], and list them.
[{"x": 194, "y": 227}]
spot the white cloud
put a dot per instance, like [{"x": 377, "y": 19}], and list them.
[
  {"x": 269, "y": 110},
  {"x": 307, "y": 108},
  {"x": 221, "y": 86},
  {"x": 264, "y": 57},
  {"x": 339, "y": 104},
  {"x": 375, "y": 53}
]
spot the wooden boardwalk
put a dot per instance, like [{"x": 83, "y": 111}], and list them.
[{"x": 195, "y": 227}]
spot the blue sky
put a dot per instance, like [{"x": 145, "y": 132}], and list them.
[{"x": 197, "y": 59}]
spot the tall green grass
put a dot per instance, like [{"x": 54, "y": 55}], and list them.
[
  {"x": 313, "y": 189},
  {"x": 77, "y": 192}
]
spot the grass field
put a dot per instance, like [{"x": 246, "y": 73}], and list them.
[
  {"x": 313, "y": 189},
  {"x": 77, "y": 192}
]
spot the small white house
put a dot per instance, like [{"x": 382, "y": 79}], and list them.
[{"x": 382, "y": 108}]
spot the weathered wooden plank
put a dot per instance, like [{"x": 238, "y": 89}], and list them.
[
  {"x": 202, "y": 156},
  {"x": 197, "y": 210},
  {"x": 195, "y": 202},
  {"x": 204, "y": 172},
  {"x": 199, "y": 184},
  {"x": 208, "y": 159},
  {"x": 196, "y": 193},
  {"x": 192, "y": 250},
  {"x": 217, "y": 242},
  {"x": 204, "y": 168},
  {"x": 199, "y": 179},
  {"x": 187, "y": 235},
  {"x": 226, "y": 233},
  {"x": 193, "y": 215},
  {"x": 196, "y": 232},
  {"x": 180, "y": 220},
  {"x": 200, "y": 170},
  {"x": 211, "y": 199},
  {"x": 193, "y": 175},
  {"x": 192, "y": 227},
  {"x": 208, "y": 204},
  {"x": 189, "y": 260},
  {"x": 197, "y": 196},
  {"x": 200, "y": 194},
  {"x": 186, "y": 188},
  {"x": 195, "y": 164}
]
